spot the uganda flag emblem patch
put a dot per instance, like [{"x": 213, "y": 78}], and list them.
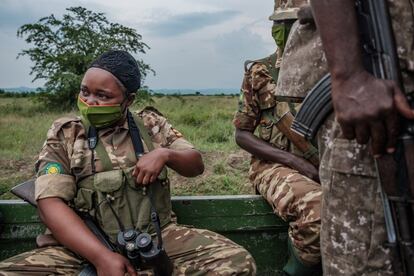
[{"x": 53, "y": 168}]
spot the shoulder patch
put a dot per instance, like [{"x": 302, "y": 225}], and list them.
[{"x": 53, "y": 168}]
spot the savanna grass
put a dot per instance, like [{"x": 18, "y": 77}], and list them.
[{"x": 206, "y": 121}]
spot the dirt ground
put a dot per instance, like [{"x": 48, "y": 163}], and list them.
[{"x": 225, "y": 173}]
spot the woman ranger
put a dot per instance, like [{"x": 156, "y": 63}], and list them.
[{"x": 111, "y": 164}]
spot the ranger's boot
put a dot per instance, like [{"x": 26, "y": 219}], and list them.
[{"x": 295, "y": 267}]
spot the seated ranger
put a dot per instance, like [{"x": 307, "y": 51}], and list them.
[
  {"x": 280, "y": 171},
  {"x": 111, "y": 164}
]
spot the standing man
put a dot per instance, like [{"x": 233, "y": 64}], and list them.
[
  {"x": 278, "y": 171},
  {"x": 353, "y": 236}
]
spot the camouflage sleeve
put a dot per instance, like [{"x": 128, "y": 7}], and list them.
[
  {"x": 53, "y": 167},
  {"x": 255, "y": 94},
  {"x": 162, "y": 133}
]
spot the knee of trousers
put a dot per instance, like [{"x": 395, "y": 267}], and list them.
[
  {"x": 309, "y": 213},
  {"x": 306, "y": 234},
  {"x": 248, "y": 267},
  {"x": 234, "y": 261}
]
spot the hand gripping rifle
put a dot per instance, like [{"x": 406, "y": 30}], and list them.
[{"x": 396, "y": 171}]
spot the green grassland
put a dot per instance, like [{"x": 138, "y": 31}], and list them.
[{"x": 204, "y": 120}]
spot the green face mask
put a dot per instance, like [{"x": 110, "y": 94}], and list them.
[
  {"x": 100, "y": 115},
  {"x": 280, "y": 33}
]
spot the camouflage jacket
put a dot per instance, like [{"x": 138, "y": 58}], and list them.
[
  {"x": 257, "y": 101},
  {"x": 287, "y": 9},
  {"x": 303, "y": 64},
  {"x": 401, "y": 12},
  {"x": 65, "y": 157}
]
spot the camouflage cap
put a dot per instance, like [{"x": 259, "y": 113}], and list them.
[{"x": 287, "y": 9}]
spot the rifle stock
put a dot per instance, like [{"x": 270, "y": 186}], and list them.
[
  {"x": 309, "y": 151},
  {"x": 26, "y": 191}
]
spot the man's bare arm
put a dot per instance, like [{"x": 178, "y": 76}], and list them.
[
  {"x": 264, "y": 151},
  {"x": 337, "y": 24}
]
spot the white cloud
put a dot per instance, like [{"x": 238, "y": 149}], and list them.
[{"x": 194, "y": 43}]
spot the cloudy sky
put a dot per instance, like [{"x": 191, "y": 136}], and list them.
[{"x": 194, "y": 43}]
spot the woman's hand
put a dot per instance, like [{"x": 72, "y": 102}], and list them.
[
  {"x": 113, "y": 264},
  {"x": 149, "y": 166}
]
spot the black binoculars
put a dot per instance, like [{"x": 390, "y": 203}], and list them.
[{"x": 142, "y": 252}]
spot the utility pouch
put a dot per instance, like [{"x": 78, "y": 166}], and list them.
[
  {"x": 108, "y": 181},
  {"x": 84, "y": 200},
  {"x": 130, "y": 179},
  {"x": 138, "y": 197},
  {"x": 109, "y": 188}
]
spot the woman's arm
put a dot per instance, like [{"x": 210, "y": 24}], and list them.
[
  {"x": 68, "y": 228},
  {"x": 185, "y": 162}
]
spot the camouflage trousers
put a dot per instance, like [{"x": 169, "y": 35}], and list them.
[
  {"x": 353, "y": 233},
  {"x": 192, "y": 251},
  {"x": 296, "y": 199}
]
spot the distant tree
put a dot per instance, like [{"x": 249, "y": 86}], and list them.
[
  {"x": 144, "y": 96},
  {"x": 63, "y": 49}
]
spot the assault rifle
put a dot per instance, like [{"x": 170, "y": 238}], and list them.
[{"x": 396, "y": 171}]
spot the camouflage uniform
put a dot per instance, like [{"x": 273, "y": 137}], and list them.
[
  {"x": 287, "y": 9},
  {"x": 353, "y": 230},
  {"x": 193, "y": 251},
  {"x": 294, "y": 197},
  {"x": 303, "y": 64},
  {"x": 353, "y": 235}
]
